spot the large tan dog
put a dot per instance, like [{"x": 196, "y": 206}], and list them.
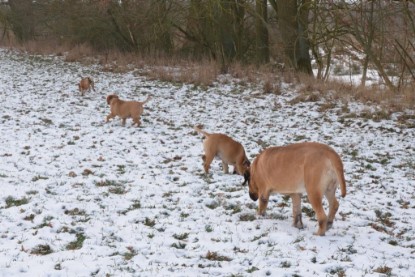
[
  {"x": 228, "y": 150},
  {"x": 85, "y": 85},
  {"x": 309, "y": 167},
  {"x": 125, "y": 109}
]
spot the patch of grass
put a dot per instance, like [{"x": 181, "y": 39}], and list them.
[
  {"x": 181, "y": 236},
  {"x": 349, "y": 250},
  {"x": 46, "y": 222},
  {"x": 213, "y": 205},
  {"x": 300, "y": 137},
  {"x": 252, "y": 269},
  {"x": 339, "y": 271},
  {"x": 13, "y": 202},
  {"x": 235, "y": 208},
  {"x": 75, "y": 212},
  {"x": 384, "y": 218},
  {"x": 149, "y": 222},
  {"x": 208, "y": 228},
  {"x": 313, "y": 96},
  {"x": 178, "y": 245},
  {"x": 393, "y": 242},
  {"x": 285, "y": 264},
  {"x": 247, "y": 217},
  {"x": 47, "y": 121},
  {"x": 384, "y": 270},
  {"x": 87, "y": 172},
  {"x": 214, "y": 256},
  {"x": 41, "y": 249},
  {"x": 308, "y": 211},
  {"x": 78, "y": 243},
  {"x": 38, "y": 177},
  {"x": 29, "y": 217},
  {"x": 134, "y": 206},
  {"x": 376, "y": 116},
  {"x": 184, "y": 215},
  {"x": 106, "y": 183},
  {"x": 121, "y": 169},
  {"x": 130, "y": 254},
  {"x": 117, "y": 190},
  {"x": 326, "y": 106}
]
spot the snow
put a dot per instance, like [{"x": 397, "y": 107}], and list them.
[{"x": 140, "y": 200}]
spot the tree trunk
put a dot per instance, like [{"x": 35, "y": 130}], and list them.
[
  {"x": 293, "y": 22},
  {"x": 262, "y": 43},
  {"x": 22, "y": 19}
]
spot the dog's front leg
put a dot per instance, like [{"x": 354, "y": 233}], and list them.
[
  {"x": 109, "y": 117},
  {"x": 296, "y": 202},
  {"x": 123, "y": 121},
  {"x": 263, "y": 203}
]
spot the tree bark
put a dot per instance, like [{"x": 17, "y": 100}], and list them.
[
  {"x": 293, "y": 22},
  {"x": 262, "y": 42},
  {"x": 22, "y": 19}
]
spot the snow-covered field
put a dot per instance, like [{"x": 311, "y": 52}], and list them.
[{"x": 81, "y": 197}]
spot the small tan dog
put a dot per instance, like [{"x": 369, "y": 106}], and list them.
[
  {"x": 85, "y": 85},
  {"x": 230, "y": 151},
  {"x": 309, "y": 167},
  {"x": 125, "y": 109}
]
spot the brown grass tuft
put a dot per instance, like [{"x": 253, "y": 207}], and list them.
[
  {"x": 175, "y": 69},
  {"x": 80, "y": 52}
]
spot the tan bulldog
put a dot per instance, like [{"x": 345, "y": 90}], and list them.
[
  {"x": 85, "y": 85},
  {"x": 228, "y": 150},
  {"x": 125, "y": 109},
  {"x": 309, "y": 167}
]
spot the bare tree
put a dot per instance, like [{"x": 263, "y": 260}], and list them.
[
  {"x": 262, "y": 40},
  {"x": 293, "y": 22},
  {"x": 22, "y": 19}
]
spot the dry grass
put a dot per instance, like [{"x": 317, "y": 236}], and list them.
[
  {"x": 204, "y": 73},
  {"x": 313, "y": 90}
]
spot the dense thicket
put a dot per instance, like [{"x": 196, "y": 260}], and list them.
[{"x": 376, "y": 34}]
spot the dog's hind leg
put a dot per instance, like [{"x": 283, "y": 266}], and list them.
[
  {"x": 316, "y": 181},
  {"x": 137, "y": 121},
  {"x": 296, "y": 202},
  {"x": 207, "y": 161},
  {"x": 225, "y": 167},
  {"x": 123, "y": 121},
  {"x": 333, "y": 206},
  {"x": 316, "y": 202}
]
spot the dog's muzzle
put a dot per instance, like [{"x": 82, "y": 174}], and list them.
[{"x": 253, "y": 196}]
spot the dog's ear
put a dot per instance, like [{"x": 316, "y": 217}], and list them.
[
  {"x": 109, "y": 98},
  {"x": 247, "y": 176}
]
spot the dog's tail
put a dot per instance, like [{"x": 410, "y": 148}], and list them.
[
  {"x": 197, "y": 129},
  {"x": 338, "y": 165},
  {"x": 110, "y": 97},
  {"x": 92, "y": 83},
  {"x": 148, "y": 99}
]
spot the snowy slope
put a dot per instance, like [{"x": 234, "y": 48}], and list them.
[{"x": 82, "y": 197}]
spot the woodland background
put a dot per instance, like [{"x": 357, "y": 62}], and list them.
[{"x": 282, "y": 36}]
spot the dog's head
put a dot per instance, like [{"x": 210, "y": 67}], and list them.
[
  {"x": 246, "y": 163},
  {"x": 248, "y": 178},
  {"x": 111, "y": 97},
  {"x": 91, "y": 83}
]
